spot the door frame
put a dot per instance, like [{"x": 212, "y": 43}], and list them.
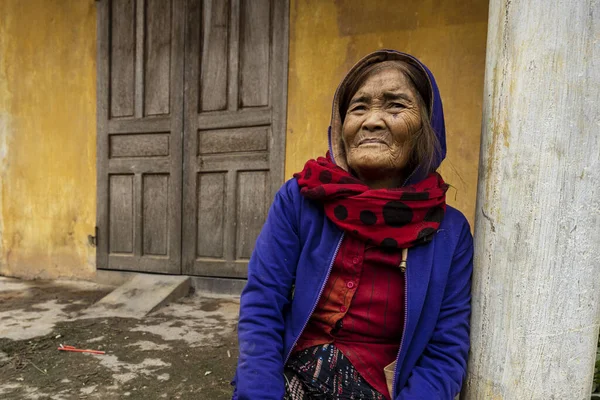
[{"x": 277, "y": 114}]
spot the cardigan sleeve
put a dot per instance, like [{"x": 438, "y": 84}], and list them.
[
  {"x": 442, "y": 367},
  {"x": 271, "y": 274}
]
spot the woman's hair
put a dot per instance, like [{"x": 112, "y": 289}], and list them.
[{"x": 426, "y": 146}]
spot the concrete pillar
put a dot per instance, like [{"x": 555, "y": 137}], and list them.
[{"x": 536, "y": 289}]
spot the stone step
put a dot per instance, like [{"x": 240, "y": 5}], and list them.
[{"x": 139, "y": 296}]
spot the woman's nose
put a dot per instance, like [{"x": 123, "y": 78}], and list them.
[{"x": 374, "y": 121}]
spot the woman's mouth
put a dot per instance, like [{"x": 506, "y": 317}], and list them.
[{"x": 371, "y": 141}]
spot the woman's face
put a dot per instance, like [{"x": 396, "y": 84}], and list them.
[{"x": 383, "y": 116}]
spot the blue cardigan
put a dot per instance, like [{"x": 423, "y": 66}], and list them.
[{"x": 288, "y": 270}]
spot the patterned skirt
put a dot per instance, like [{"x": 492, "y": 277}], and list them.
[{"x": 323, "y": 372}]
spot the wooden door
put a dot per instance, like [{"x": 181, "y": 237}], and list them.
[
  {"x": 140, "y": 124},
  {"x": 234, "y": 138}
]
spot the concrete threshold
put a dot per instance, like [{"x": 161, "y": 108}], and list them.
[{"x": 206, "y": 286}]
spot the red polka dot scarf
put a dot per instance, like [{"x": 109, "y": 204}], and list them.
[{"x": 392, "y": 218}]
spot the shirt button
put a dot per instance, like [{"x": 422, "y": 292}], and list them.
[
  {"x": 350, "y": 285},
  {"x": 343, "y": 309}
]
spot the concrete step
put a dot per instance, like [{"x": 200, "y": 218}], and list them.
[{"x": 139, "y": 296}]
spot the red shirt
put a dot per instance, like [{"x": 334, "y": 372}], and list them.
[{"x": 361, "y": 310}]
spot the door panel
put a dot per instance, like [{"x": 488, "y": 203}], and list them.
[
  {"x": 236, "y": 69},
  {"x": 211, "y": 212},
  {"x": 155, "y": 200},
  {"x": 213, "y": 68},
  {"x": 138, "y": 145},
  {"x": 122, "y": 61},
  {"x": 140, "y": 123},
  {"x": 233, "y": 140},
  {"x": 255, "y": 35},
  {"x": 121, "y": 214},
  {"x": 252, "y": 200},
  {"x": 158, "y": 32}
]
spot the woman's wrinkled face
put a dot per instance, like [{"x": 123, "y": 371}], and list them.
[{"x": 383, "y": 116}]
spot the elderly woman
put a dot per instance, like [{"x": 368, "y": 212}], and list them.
[{"x": 359, "y": 285}]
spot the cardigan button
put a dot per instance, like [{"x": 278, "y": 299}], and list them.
[
  {"x": 343, "y": 309},
  {"x": 350, "y": 285},
  {"x": 356, "y": 260}
]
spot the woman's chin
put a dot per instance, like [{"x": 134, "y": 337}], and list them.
[{"x": 370, "y": 159}]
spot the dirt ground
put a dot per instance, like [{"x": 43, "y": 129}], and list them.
[{"x": 186, "y": 350}]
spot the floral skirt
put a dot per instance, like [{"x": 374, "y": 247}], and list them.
[{"x": 323, "y": 372}]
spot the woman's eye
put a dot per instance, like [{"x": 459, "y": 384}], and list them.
[
  {"x": 396, "y": 105},
  {"x": 358, "y": 108}
]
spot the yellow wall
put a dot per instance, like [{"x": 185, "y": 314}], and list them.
[
  {"x": 47, "y": 137},
  {"x": 328, "y": 36},
  {"x": 48, "y": 107}
]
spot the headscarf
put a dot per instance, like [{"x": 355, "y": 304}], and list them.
[{"x": 392, "y": 218}]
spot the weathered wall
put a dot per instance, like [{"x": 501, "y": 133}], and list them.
[
  {"x": 328, "y": 37},
  {"x": 47, "y": 137}
]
